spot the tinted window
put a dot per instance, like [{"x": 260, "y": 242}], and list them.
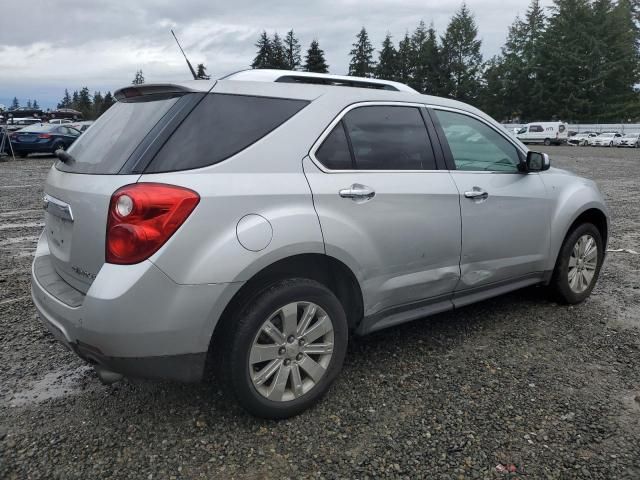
[
  {"x": 536, "y": 128},
  {"x": 389, "y": 138},
  {"x": 221, "y": 126},
  {"x": 476, "y": 146},
  {"x": 116, "y": 134},
  {"x": 334, "y": 151}
]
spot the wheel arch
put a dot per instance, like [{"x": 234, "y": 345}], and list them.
[
  {"x": 325, "y": 269},
  {"x": 593, "y": 215}
]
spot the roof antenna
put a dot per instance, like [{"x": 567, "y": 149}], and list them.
[{"x": 193, "y": 72}]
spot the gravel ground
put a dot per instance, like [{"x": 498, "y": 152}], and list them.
[{"x": 547, "y": 390}]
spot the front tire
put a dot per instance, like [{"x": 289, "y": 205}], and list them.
[
  {"x": 547, "y": 142},
  {"x": 285, "y": 348},
  {"x": 578, "y": 265}
]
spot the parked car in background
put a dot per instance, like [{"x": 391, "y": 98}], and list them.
[
  {"x": 42, "y": 138},
  {"x": 546, "y": 133},
  {"x": 14, "y": 124},
  {"x": 630, "y": 140},
  {"x": 81, "y": 126},
  {"x": 250, "y": 224},
  {"x": 605, "y": 139},
  {"x": 59, "y": 121},
  {"x": 581, "y": 139}
]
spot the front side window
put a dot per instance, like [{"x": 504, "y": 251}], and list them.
[{"x": 475, "y": 146}]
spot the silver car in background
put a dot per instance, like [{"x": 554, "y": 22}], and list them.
[{"x": 247, "y": 226}]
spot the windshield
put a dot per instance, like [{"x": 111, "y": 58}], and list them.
[
  {"x": 631, "y": 135},
  {"x": 607, "y": 134},
  {"x": 522, "y": 130},
  {"x": 106, "y": 147}
]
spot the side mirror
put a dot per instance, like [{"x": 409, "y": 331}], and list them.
[{"x": 537, "y": 162}]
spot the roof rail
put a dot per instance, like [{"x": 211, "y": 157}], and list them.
[{"x": 292, "y": 76}]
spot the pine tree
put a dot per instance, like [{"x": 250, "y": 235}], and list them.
[
  {"x": 292, "y": 51},
  {"x": 138, "y": 79},
  {"x": 97, "y": 106},
  {"x": 491, "y": 98},
  {"x": 462, "y": 57},
  {"x": 35, "y": 105},
  {"x": 387, "y": 67},
  {"x": 201, "y": 72},
  {"x": 426, "y": 64},
  {"x": 15, "y": 104},
  {"x": 29, "y": 103},
  {"x": 264, "y": 55},
  {"x": 278, "y": 54},
  {"x": 84, "y": 104},
  {"x": 66, "y": 100},
  {"x": 107, "y": 102},
  {"x": 74, "y": 100},
  {"x": 314, "y": 61},
  {"x": 404, "y": 60},
  {"x": 362, "y": 64}
]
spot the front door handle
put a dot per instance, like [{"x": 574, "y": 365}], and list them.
[
  {"x": 477, "y": 194},
  {"x": 358, "y": 192}
]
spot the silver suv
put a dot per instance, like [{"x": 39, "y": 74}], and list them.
[{"x": 250, "y": 224}]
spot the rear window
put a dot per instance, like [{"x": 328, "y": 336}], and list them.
[
  {"x": 38, "y": 128},
  {"x": 115, "y": 135},
  {"x": 221, "y": 126}
]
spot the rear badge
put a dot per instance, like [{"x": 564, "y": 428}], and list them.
[{"x": 83, "y": 273}]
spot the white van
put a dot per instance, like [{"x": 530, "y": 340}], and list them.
[{"x": 544, "y": 132}]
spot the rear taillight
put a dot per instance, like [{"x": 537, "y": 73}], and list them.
[
  {"x": 44, "y": 135},
  {"x": 142, "y": 217}
]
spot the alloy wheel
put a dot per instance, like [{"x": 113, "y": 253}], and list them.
[
  {"x": 583, "y": 263},
  {"x": 291, "y": 352}
]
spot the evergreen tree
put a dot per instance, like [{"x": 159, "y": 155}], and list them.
[
  {"x": 107, "y": 102},
  {"x": 138, "y": 79},
  {"x": 362, "y": 64},
  {"x": 492, "y": 98},
  {"x": 96, "y": 109},
  {"x": 201, "y": 72},
  {"x": 15, "y": 104},
  {"x": 264, "y": 54},
  {"x": 74, "y": 100},
  {"x": 84, "y": 104},
  {"x": 426, "y": 63},
  {"x": 35, "y": 105},
  {"x": 314, "y": 61},
  {"x": 66, "y": 100},
  {"x": 29, "y": 103},
  {"x": 404, "y": 60},
  {"x": 387, "y": 66},
  {"x": 292, "y": 51},
  {"x": 461, "y": 56},
  {"x": 278, "y": 55}
]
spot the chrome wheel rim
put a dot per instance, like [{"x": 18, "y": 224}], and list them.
[
  {"x": 291, "y": 352},
  {"x": 583, "y": 263}
]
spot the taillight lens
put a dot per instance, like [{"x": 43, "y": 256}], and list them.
[{"x": 142, "y": 217}]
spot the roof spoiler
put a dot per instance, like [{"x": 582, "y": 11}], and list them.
[{"x": 150, "y": 89}]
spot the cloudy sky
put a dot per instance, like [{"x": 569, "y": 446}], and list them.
[{"x": 47, "y": 45}]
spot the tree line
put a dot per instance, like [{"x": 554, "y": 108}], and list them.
[
  {"x": 91, "y": 106},
  {"x": 578, "y": 61}
]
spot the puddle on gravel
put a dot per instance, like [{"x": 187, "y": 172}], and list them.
[{"x": 58, "y": 384}]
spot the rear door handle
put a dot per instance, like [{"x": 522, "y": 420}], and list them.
[
  {"x": 477, "y": 194},
  {"x": 358, "y": 192}
]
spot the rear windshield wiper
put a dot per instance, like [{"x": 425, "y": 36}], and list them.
[{"x": 65, "y": 157}]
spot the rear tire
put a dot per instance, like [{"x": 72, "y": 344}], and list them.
[
  {"x": 578, "y": 264},
  {"x": 303, "y": 366}
]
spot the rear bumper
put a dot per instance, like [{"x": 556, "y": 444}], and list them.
[
  {"x": 133, "y": 319},
  {"x": 32, "y": 148}
]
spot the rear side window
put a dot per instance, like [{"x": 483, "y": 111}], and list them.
[
  {"x": 221, "y": 126},
  {"x": 334, "y": 151},
  {"x": 382, "y": 138},
  {"x": 389, "y": 138}
]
